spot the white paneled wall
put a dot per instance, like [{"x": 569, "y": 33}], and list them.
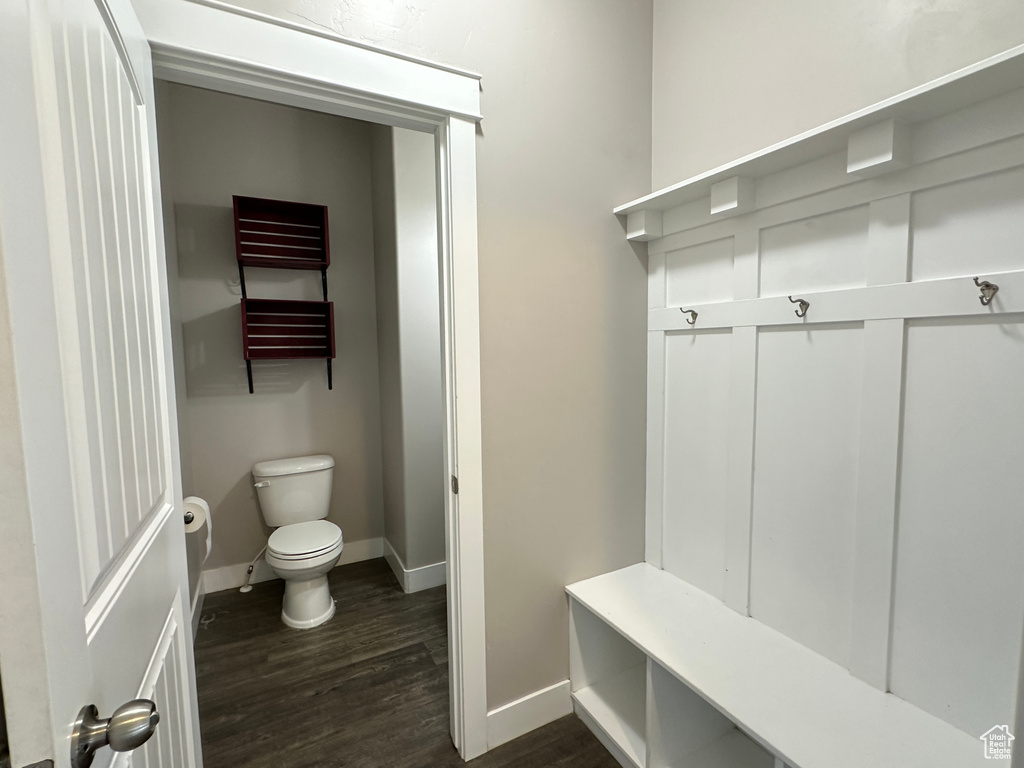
[
  {"x": 697, "y": 371},
  {"x": 793, "y": 260},
  {"x": 959, "y": 594},
  {"x": 854, "y": 479},
  {"x": 807, "y": 430},
  {"x": 699, "y": 274},
  {"x": 974, "y": 222}
]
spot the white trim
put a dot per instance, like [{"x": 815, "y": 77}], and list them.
[
  {"x": 233, "y": 576},
  {"x": 244, "y": 79},
  {"x": 939, "y": 297},
  {"x": 877, "y": 501},
  {"x": 232, "y": 53},
  {"x": 305, "y": 28},
  {"x": 281, "y": 62},
  {"x": 197, "y": 604},
  {"x": 414, "y": 579},
  {"x": 532, "y": 711},
  {"x": 464, "y": 529},
  {"x": 986, "y": 141},
  {"x": 654, "y": 522},
  {"x": 156, "y": 661},
  {"x": 740, "y": 473}
]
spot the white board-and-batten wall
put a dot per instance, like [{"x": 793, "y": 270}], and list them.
[{"x": 853, "y": 478}]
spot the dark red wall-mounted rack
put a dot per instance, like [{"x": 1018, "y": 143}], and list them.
[{"x": 280, "y": 235}]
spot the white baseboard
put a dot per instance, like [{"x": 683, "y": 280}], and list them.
[
  {"x": 415, "y": 579},
  {"x": 233, "y": 576},
  {"x": 531, "y": 711},
  {"x": 197, "y": 605}
]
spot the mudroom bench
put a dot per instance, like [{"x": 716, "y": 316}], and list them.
[{"x": 667, "y": 675}]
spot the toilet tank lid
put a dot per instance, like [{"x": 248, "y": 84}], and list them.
[{"x": 295, "y": 466}]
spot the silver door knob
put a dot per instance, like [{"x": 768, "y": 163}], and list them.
[{"x": 129, "y": 727}]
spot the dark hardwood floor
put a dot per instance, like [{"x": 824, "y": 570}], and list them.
[{"x": 369, "y": 689}]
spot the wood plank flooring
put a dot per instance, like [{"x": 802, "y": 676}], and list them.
[{"x": 369, "y": 689}]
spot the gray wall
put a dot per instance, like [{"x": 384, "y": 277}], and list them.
[
  {"x": 385, "y": 245},
  {"x": 409, "y": 344},
  {"x": 193, "y": 544},
  {"x": 215, "y": 146},
  {"x": 5, "y": 753},
  {"x": 732, "y": 76},
  {"x": 565, "y": 138}
]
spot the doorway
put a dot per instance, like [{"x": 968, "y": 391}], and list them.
[
  {"x": 210, "y": 46},
  {"x": 381, "y": 413},
  {"x": 236, "y": 53}
]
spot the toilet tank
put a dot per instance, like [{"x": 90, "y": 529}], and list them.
[{"x": 294, "y": 490}]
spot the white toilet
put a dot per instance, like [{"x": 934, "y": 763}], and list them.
[{"x": 295, "y": 495}]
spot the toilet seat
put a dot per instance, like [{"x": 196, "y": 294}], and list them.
[{"x": 302, "y": 541}]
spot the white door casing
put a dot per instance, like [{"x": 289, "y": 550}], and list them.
[
  {"x": 100, "y": 592},
  {"x": 220, "y": 47}
]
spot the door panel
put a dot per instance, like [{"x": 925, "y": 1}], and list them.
[
  {"x": 166, "y": 683},
  {"x": 117, "y": 449},
  {"x": 86, "y": 296}
]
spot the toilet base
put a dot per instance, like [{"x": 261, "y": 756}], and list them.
[{"x": 307, "y": 603}]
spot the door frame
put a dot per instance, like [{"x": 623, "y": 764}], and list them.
[{"x": 219, "y": 47}]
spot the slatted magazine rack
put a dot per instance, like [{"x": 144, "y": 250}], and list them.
[
  {"x": 833, "y": 531},
  {"x": 276, "y": 234}
]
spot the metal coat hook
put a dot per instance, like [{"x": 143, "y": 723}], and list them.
[
  {"x": 988, "y": 291},
  {"x": 804, "y": 306},
  {"x": 692, "y": 319}
]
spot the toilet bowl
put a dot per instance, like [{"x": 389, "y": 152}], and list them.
[
  {"x": 294, "y": 496},
  {"x": 303, "y": 554}
]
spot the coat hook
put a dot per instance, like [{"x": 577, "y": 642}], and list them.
[
  {"x": 988, "y": 291},
  {"x": 692, "y": 319},
  {"x": 804, "y": 306}
]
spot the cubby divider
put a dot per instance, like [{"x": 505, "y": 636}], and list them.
[
  {"x": 644, "y": 715},
  {"x": 608, "y": 677},
  {"x": 685, "y": 731}
]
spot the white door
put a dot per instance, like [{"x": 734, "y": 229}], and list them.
[{"x": 89, "y": 444}]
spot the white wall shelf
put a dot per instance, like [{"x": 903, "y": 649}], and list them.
[
  {"x": 805, "y": 709},
  {"x": 987, "y": 79}
]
